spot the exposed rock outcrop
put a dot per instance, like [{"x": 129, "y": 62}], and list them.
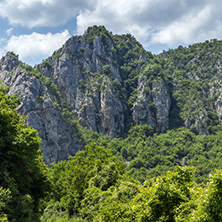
[
  {"x": 142, "y": 111},
  {"x": 76, "y": 69},
  {"x": 162, "y": 103},
  {"x": 83, "y": 70},
  {"x": 58, "y": 139},
  {"x": 109, "y": 82},
  {"x": 153, "y": 105},
  {"x": 111, "y": 112}
]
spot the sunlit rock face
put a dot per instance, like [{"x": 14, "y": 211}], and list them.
[
  {"x": 153, "y": 104},
  {"x": 58, "y": 139}
]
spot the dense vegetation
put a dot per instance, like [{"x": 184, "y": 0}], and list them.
[
  {"x": 95, "y": 185},
  {"x": 144, "y": 175},
  {"x": 195, "y": 72},
  {"x": 23, "y": 175}
]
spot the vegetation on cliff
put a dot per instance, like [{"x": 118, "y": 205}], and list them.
[{"x": 161, "y": 166}]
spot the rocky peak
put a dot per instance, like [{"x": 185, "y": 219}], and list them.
[
  {"x": 37, "y": 103},
  {"x": 92, "y": 74},
  {"x": 8, "y": 62},
  {"x": 76, "y": 69}
]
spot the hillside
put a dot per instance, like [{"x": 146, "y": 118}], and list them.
[
  {"x": 126, "y": 118},
  {"x": 101, "y": 86}
]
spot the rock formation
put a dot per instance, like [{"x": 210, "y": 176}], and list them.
[
  {"x": 58, "y": 139},
  {"x": 90, "y": 76}
]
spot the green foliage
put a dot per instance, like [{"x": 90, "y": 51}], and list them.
[
  {"x": 116, "y": 206},
  {"x": 204, "y": 204},
  {"x": 106, "y": 70},
  {"x": 194, "y": 70},
  {"x": 4, "y": 199},
  {"x": 23, "y": 173},
  {"x": 47, "y": 64},
  {"x": 100, "y": 31},
  {"x": 149, "y": 154},
  {"x": 172, "y": 198},
  {"x": 56, "y": 56},
  {"x": 93, "y": 167},
  {"x": 160, "y": 196}
]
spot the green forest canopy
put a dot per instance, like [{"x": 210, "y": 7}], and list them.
[
  {"x": 95, "y": 185},
  {"x": 23, "y": 175}
]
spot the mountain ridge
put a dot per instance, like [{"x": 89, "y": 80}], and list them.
[{"x": 108, "y": 83}]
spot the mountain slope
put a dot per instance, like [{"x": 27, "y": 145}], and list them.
[
  {"x": 108, "y": 83},
  {"x": 58, "y": 139}
]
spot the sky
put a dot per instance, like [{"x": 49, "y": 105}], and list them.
[{"x": 34, "y": 29}]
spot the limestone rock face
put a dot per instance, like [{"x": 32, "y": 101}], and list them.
[
  {"x": 216, "y": 89},
  {"x": 162, "y": 102},
  {"x": 153, "y": 105},
  {"x": 142, "y": 111},
  {"x": 75, "y": 69},
  {"x": 218, "y": 105},
  {"x": 7, "y": 63},
  {"x": 58, "y": 139},
  {"x": 111, "y": 114},
  {"x": 109, "y": 82},
  {"x": 90, "y": 76}
]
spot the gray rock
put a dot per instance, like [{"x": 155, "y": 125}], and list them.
[
  {"x": 71, "y": 72},
  {"x": 82, "y": 71},
  {"x": 152, "y": 106},
  {"x": 162, "y": 102},
  {"x": 58, "y": 139},
  {"x": 111, "y": 113},
  {"x": 141, "y": 109}
]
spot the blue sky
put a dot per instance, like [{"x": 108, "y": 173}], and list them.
[{"x": 35, "y": 28}]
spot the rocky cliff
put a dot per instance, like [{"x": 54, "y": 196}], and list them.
[
  {"x": 90, "y": 72},
  {"x": 153, "y": 106},
  {"x": 58, "y": 139},
  {"x": 109, "y": 83}
]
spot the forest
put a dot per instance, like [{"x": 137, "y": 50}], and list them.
[
  {"x": 145, "y": 174},
  {"x": 102, "y": 184}
]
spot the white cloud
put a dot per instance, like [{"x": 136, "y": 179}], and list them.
[
  {"x": 2, "y": 53},
  {"x": 2, "y": 50},
  {"x": 191, "y": 28},
  {"x": 115, "y": 15},
  {"x": 42, "y": 12},
  {"x": 36, "y": 45},
  {"x": 8, "y": 31},
  {"x": 152, "y": 22},
  {"x": 157, "y": 21}
]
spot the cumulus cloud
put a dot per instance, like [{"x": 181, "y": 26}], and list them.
[
  {"x": 121, "y": 15},
  {"x": 42, "y": 12},
  {"x": 35, "y": 45},
  {"x": 152, "y": 22},
  {"x": 157, "y": 21},
  {"x": 194, "y": 27},
  {"x": 8, "y": 31}
]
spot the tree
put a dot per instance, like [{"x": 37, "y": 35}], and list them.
[
  {"x": 94, "y": 166},
  {"x": 22, "y": 172},
  {"x": 160, "y": 196},
  {"x": 4, "y": 199}
]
